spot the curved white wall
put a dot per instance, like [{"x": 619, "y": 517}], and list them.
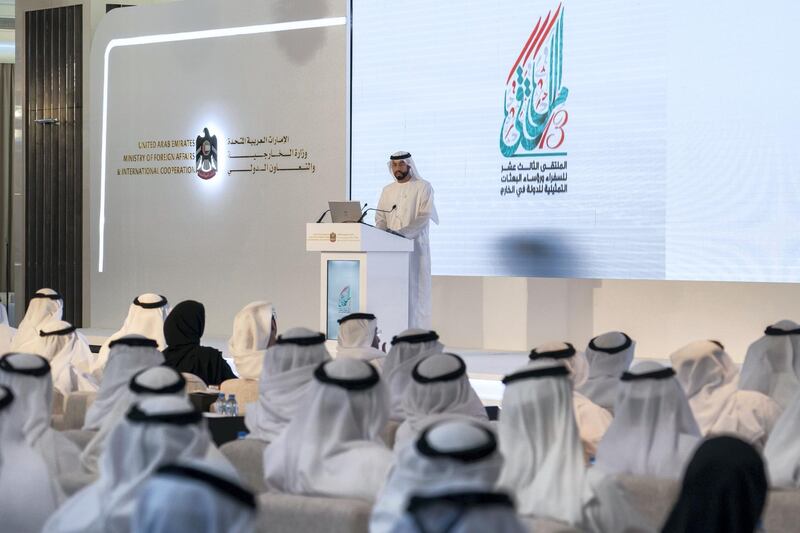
[{"x": 250, "y": 71}]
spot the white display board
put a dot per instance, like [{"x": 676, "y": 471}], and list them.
[
  {"x": 268, "y": 80},
  {"x": 657, "y": 137}
]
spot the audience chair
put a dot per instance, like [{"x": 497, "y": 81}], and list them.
[
  {"x": 290, "y": 513},
  {"x": 247, "y": 456},
  {"x": 194, "y": 383},
  {"x": 75, "y": 407},
  {"x": 246, "y": 391}
]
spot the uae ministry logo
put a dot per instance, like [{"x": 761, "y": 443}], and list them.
[
  {"x": 534, "y": 111},
  {"x": 205, "y": 157}
]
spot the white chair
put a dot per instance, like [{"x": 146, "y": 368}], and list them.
[
  {"x": 781, "y": 513},
  {"x": 247, "y": 456},
  {"x": 540, "y": 525},
  {"x": 75, "y": 481},
  {"x": 75, "y": 407},
  {"x": 246, "y": 391},
  {"x": 652, "y": 497},
  {"x": 289, "y": 513},
  {"x": 194, "y": 383},
  {"x": 390, "y": 432},
  {"x": 81, "y": 437},
  {"x": 57, "y": 415}
]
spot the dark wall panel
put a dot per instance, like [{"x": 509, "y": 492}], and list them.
[{"x": 54, "y": 150}]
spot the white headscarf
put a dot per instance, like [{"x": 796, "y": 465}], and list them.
[
  {"x": 45, "y": 305},
  {"x": 69, "y": 356},
  {"x": 28, "y": 376},
  {"x": 252, "y": 331},
  {"x": 333, "y": 447},
  {"x": 194, "y": 497},
  {"x": 709, "y": 378},
  {"x": 654, "y": 432},
  {"x": 451, "y": 455},
  {"x": 356, "y": 334},
  {"x": 772, "y": 363},
  {"x": 407, "y": 350},
  {"x": 413, "y": 173},
  {"x": 151, "y": 382},
  {"x": 439, "y": 386},
  {"x": 782, "y": 452},
  {"x": 539, "y": 439},
  {"x": 544, "y": 467},
  {"x": 128, "y": 355},
  {"x": 6, "y": 331},
  {"x": 155, "y": 432},
  {"x": 565, "y": 352},
  {"x": 608, "y": 356},
  {"x": 592, "y": 420},
  {"x": 146, "y": 317},
  {"x": 402, "y": 155},
  {"x": 285, "y": 379},
  {"x": 27, "y": 493}
]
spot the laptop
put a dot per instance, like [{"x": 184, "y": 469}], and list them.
[{"x": 345, "y": 211}]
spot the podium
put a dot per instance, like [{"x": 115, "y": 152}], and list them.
[{"x": 362, "y": 269}]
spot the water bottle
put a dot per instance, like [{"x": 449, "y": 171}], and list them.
[
  {"x": 219, "y": 405},
  {"x": 233, "y": 407}
]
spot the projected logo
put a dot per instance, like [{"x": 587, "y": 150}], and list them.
[
  {"x": 345, "y": 299},
  {"x": 205, "y": 157},
  {"x": 534, "y": 112}
]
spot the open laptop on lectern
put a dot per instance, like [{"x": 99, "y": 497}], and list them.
[{"x": 345, "y": 211}]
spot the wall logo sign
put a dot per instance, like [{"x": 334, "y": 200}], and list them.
[
  {"x": 534, "y": 111},
  {"x": 206, "y": 155}
]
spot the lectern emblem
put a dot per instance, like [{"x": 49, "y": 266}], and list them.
[
  {"x": 344, "y": 301},
  {"x": 206, "y": 155},
  {"x": 333, "y": 237}
]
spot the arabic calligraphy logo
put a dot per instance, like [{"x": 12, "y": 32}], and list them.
[
  {"x": 534, "y": 110},
  {"x": 344, "y": 300},
  {"x": 205, "y": 158}
]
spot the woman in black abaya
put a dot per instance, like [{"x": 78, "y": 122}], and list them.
[
  {"x": 183, "y": 329},
  {"x": 724, "y": 490}
]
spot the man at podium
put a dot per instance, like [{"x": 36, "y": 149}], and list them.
[{"x": 406, "y": 206}]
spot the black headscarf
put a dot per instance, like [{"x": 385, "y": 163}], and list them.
[
  {"x": 724, "y": 489},
  {"x": 447, "y": 512},
  {"x": 183, "y": 329}
]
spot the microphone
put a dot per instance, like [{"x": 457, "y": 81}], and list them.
[
  {"x": 377, "y": 211},
  {"x": 323, "y": 216}
]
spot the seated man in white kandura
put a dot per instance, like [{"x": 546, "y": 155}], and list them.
[{"x": 406, "y": 206}]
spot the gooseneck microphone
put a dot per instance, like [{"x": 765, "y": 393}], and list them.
[
  {"x": 377, "y": 211},
  {"x": 323, "y": 215}
]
